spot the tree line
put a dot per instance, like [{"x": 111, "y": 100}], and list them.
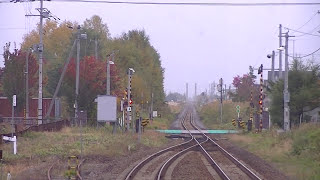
[
  {"x": 132, "y": 49},
  {"x": 304, "y": 88}
]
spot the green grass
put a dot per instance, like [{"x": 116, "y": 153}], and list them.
[
  {"x": 41, "y": 146},
  {"x": 296, "y": 153},
  {"x": 168, "y": 115},
  {"x": 210, "y": 114}
]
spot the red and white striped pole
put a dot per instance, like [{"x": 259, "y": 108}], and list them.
[{"x": 261, "y": 96}]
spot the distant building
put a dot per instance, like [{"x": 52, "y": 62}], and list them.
[
  {"x": 276, "y": 75},
  {"x": 314, "y": 114}
]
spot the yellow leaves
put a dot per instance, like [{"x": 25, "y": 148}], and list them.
[{"x": 56, "y": 39}]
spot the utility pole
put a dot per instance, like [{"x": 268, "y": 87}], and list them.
[
  {"x": 286, "y": 94},
  {"x": 44, "y": 13},
  {"x": 96, "y": 48},
  {"x": 77, "y": 73},
  {"x": 220, "y": 88},
  {"x": 272, "y": 66},
  {"x": 280, "y": 52},
  {"x": 195, "y": 91},
  {"x": 108, "y": 74},
  {"x": 27, "y": 84},
  {"x": 61, "y": 78},
  {"x": 225, "y": 92},
  {"x": 108, "y": 70},
  {"x": 186, "y": 91},
  {"x": 152, "y": 106},
  {"x": 40, "y": 63}
]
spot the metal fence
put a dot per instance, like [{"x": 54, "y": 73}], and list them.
[
  {"x": 32, "y": 125},
  {"x": 27, "y": 122}
]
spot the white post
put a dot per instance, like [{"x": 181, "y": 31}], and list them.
[
  {"x": 12, "y": 139},
  {"x": 14, "y": 144}
]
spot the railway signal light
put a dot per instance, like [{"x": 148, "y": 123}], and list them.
[
  {"x": 126, "y": 94},
  {"x": 260, "y": 70}
]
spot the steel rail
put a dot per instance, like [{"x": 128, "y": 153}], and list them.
[
  {"x": 245, "y": 169},
  {"x": 136, "y": 168},
  {"x": 77, "y": 172},
  {"x": 78, "y": 169},
  {"x": 166, "y": 165},
  {"x": 213, "y": 163},
  {"x": 49, "y": 171}
]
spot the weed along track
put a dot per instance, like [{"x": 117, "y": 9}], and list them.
[
  {"x": 199, "y": 156},
  {"x": 62, "y": 170}
]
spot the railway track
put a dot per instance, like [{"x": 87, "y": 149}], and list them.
[
  {"x": 225, "y": 165},
  {"x": 53, "y": 176}
]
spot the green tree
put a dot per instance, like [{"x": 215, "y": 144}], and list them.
[
  {"x": 97, "y": 31},
  {"x": 175, "y": 97},
  {"x": 135, "y": 51},
  {"x": 304, "y": 92}
]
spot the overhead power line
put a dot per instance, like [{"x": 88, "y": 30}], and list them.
[
  {"x": 310, "y": 32},
  {"x": 314, "y": 15},
  {"x": 181, "y": 3},
  {"x": 308, "y": 54},
  {"x": 305, "y": 33},
  {"x": 8, "y": 28}
]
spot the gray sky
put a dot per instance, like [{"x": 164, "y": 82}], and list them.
[{"x": 196, "y": 44}]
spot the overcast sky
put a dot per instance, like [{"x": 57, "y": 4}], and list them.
[{"x": 196, "y": 44}]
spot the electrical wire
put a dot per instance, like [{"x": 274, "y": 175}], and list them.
[
  {"x": 310, "y": 32},
  {"x": 314, "y": 15},
  {"x": 181, "y": 3},
  {"x": 11, "y": 28},
  {"x": 305, "y": 33},
  {"x": 307, "y": 54}
]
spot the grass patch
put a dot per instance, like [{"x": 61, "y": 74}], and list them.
[
  {"x": 168, "y": 115},
  {"x": 40, "y": 146},
  {"x": 296, "y": 153},
  {"x": 210, "y": 114}
]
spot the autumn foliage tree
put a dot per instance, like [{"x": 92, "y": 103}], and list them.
[
  {"x": 132, "y": 50},
  {"x": 13, "y": 76},
  {"x": 92, "y": 82},
  {"x": 1, "y": 76},
  {"x": 244, "y": 85}
]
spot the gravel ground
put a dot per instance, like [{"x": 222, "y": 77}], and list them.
[
  {"x": 100, "y": 167},
  {"x": 254, "y": 162},
  {"x": 36, "y": 169},
  {"x": 224, "y": 163},
  {"x": 191, "y": 167}
]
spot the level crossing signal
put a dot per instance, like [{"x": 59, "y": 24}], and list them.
[
  {"x": 144, "y": 122},
  {"x": 234, "y": 122},
  {"x": 242, "y": 124}
]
